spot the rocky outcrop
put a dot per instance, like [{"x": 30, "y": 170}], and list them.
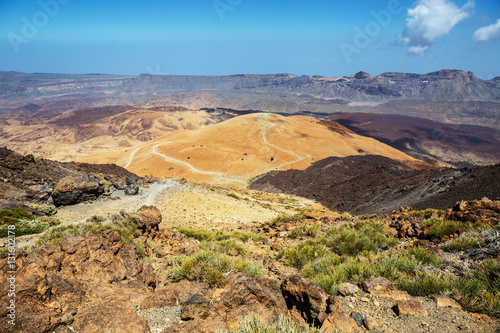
[
  {"x": 25, "y": 178},
  {"x": 74, "y": 189},
  {"x": 53, "y": 284},
  {"x": 150, "y": 218},
  {"x": 241, "y": 297},
  {"x": 304, "y": 296},
  {"x": 486, "y": 211}
]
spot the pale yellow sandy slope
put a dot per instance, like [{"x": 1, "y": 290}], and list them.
[{"x": 245, "y": 146}]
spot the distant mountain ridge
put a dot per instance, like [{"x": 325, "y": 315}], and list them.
[{"x": 443, "y": 85}]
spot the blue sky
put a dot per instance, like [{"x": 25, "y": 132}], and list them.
[{"x": 207, "y": 37}]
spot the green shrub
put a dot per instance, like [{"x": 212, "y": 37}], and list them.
[
  {"x": 463, "y": 243},
  {"x": 12, "y": 216},
  {"x": 304, "y": 230},
  {"x": 211, "y": 268},
  {"x": 426, "y": 212},
  {"x": 367, "y": 236},
  {"x": 423, "y": 284},
  {"x": 254, "y": 324},
  {"x": 346, "y": 216},
  {"x": 227, "y": 246},
  {"x": 198, "y": 234},
  {"x": 123, "y": 223},
  {"x": 29, "y": 227},
  {"x": 47, "y": 209},
  {"x": 424, "y": 256},
  {"x": 445, "y": 228},
  {"x": 232, "y": 195},
  {"x": 331, "y": 270},
  {"x": 303, "y": 253},
  {"x": 245, "y": 236},
  {"x": 432, "y": 221},
  {"x": 285, "y": 218},
  {"x": 95, "y": 219},
  {"x": 139, "y": 248}
]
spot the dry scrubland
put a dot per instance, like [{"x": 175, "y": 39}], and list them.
[{"x": 193, "y": 264}]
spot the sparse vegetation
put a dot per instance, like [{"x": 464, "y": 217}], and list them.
[
  {"x": 463, "y": 243},
  {"x": 125, "y": 224},
  {"x": 203, "y": 235},
  {"x": 285, "y": 218},
  {"x": 25, "y": 223},
  {"x": 304, "y": 230},
  {"x": 301, "y": 254},
  {"x": 227, "y": 246},
  {"x": 232, "y": 195},
  {"x": 211, "y": 267},
  {"x": 346, "y": 216},
  {"x": 427, "y": 212},
  {"x": 254, "y": 324}
]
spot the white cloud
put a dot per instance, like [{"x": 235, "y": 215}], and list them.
[
  {"x": 490, "y": 32},
  {"x": 431, "y": 19}
]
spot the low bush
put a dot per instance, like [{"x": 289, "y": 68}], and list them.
[
  {"x": 254, "y": 324},
  {"x": 227, "y": 246},
  {"x": 303, "y": 253},
  {"x": 446, "y": 228},
  {"x": 423, "y": 283},
  {"x": 427, "y": 212},
  {"x": 463, "y": 243},
  {"x": 304, "y": 230},
  {"x": 123, "y": 223},
  {"x": 203, "y": 235},
  {"x": 331, "y": 270},
  {"x": 12, "y": 216},
  {"x": 285, "y": 218},
  {"x": 211, "y": 267},
  {"x": 232, "y": 195}
]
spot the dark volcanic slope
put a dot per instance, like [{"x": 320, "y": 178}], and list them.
[
  {"x": 431, "y": 141},
  {"x": 375, "y": 184}
]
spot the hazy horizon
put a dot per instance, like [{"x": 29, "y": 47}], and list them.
[{"x": 227, "y": 37}]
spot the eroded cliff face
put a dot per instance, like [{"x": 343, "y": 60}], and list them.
[{"x": 444, "y": 85}]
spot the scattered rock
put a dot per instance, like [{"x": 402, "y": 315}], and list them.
[
  {"x": 194, "y": 307},
  {"x": 132, "y": 190},
  {"x": 307, "y": 297},
  {"x": 348, "y": 289},
  {"x": 409, "y": 307},
  {"x": 341, "y": 321},
  {"x": 380, "y": 286},
  {"x": 358, "y": 318},
  {"x": 67, "y": 318},
  {"x": 445, "y": 301},
  {"x": 370, "y": 323}
]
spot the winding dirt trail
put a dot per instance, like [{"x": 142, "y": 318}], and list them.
[
  {"x": 219, "y": 175},
  {"x": 264, "y": 118}
]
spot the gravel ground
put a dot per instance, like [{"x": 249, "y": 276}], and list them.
[{"x": 160, "y": 319}]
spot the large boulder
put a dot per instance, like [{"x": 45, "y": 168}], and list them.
[
  {"x": 150, "y": 218},
  {"x": 241, "y": 297},
  {"x": 305, "y": 296},
  {"x": 73, "y": 189}
]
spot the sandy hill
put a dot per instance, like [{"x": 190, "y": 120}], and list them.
[
  {"x": 92, "y": 130},
  {"x": 245, "y": 146}
]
